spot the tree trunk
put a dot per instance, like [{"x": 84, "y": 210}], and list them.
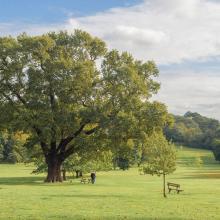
[
  {"x": 80, "y": 173},
  {"x": 77, "y": 173},
  {"x": 64, "y": 174},
  {"x": 53, "y": 171},
  {"x": 164, "y": 185}
]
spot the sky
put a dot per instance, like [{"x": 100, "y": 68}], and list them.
[{"x": 181, "y": 36}]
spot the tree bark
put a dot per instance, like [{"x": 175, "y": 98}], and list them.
[
  {"x": 77, "y": 173},
  {"x": 53, "y": 170},
  {"x": 80, "y": 173},
  {"x": 164, "y": 185},
  {"x": 64, "y": 175}
]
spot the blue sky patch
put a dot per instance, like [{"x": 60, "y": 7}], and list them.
[{"x": 54, "y": 11}]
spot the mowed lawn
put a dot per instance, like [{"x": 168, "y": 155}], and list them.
[{"x": 116, "y": 195}]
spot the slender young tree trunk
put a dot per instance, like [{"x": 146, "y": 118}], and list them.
[{"x": 164, "y": 185}]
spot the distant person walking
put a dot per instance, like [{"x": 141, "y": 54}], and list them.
[{"x": 93, "y": 177}]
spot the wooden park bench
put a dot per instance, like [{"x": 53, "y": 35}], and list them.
[
  {"x": 174, "y": 186},
  {"x": 85, "y": 180}
]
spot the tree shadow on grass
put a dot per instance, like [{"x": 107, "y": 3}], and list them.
[
  {"x": 203, "y": 175},
  {"x": 118, "y": 217},
  {"x": 86, "y": 196},
  {"x": 35, "y": 180}
]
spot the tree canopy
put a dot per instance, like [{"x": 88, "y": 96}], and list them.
[{"x": 71, "y": 95}]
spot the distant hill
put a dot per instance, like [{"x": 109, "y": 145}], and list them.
[{"x": 197, "y": 131}]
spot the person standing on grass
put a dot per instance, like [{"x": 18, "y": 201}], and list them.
[{"x": 93, "y": 177}]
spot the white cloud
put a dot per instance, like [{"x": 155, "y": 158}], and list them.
[
  {"x": 134, "y": 36},
  {"x": 191, "y": 92},
  {"x": 168, "y": 31}
]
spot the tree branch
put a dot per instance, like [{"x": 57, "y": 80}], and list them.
[
  {"x": 17, "y": 95},
  {"x": 71, "y": 148},
  {"x": 91, "y": 131},
  {"x": 43, "y": 144},
  {"x": 66, "y": 141},
  {"x": 37, "y": 130},
  {"x": 53, "y": 106},
  {"x": 69, "y": 151}
]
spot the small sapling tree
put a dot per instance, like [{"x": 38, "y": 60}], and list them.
[{"x": 161, "y": 159}]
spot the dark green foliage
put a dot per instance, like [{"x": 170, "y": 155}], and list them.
[
  {"x": 11, "y": 148},
  {"x": 193, "y": 130},
  {"x": 8, "y": 155},
  {"x": 122, "y": 163},
  {"x": 216, "y": 148},
  {"x": 197, "y": 131}
]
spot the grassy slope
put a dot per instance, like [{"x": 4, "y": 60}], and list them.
[{"x": 116, "y": 195}]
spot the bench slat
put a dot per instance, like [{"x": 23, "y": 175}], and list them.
[{"x": 174, "y": 186}]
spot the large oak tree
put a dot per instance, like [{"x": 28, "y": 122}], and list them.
[{"x": 70, "y": 94}]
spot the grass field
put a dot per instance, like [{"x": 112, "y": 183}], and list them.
[{"x": 116, "y": 195}]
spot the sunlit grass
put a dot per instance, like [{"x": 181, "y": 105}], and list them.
[{"x": 116, "y": 195}]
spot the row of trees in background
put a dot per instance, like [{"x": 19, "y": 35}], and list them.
[
  {"x": 12, "y": 149},
  {"x": 195, "y": 130},
  {"x": 77, "y": 101}
]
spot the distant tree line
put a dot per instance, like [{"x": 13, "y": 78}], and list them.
[{"x": 195, "y": 130}]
